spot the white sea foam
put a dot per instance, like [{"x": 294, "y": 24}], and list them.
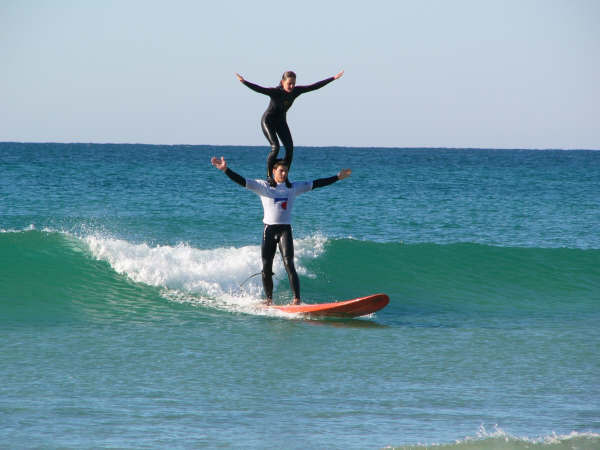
[
  {"x": 553, "y": 440},
  {"x": 31, "y": 227},
  {"x": 210, "y": 277},
  {"x": 498, "y": 439}
]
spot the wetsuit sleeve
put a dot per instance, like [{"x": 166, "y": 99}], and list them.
[
  {"x": 314, "y": 86},
  {"x": 257, "y": 88},
  {"x": 322, "y": 182},
  {"x": 236, "y": 177}
]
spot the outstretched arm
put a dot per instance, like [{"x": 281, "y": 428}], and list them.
[
  {"x": 254, "y": 87},
  {"x": 322, "y": 182},
  {"x": 318, "y": 84},
  {"x": 221, "y": 164}
]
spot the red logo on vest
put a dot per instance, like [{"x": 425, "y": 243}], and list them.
[{"x": 283, "y": 202}]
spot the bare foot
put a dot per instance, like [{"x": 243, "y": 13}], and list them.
[
  {"x": 269, "y": 301},
  {"x": 296, "y": 301}
]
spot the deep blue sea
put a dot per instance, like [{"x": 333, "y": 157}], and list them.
[{"x": 129, "y": 317}]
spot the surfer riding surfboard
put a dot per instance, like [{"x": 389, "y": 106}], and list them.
[{"x": 278, "y": 195}]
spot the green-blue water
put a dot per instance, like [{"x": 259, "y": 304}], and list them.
[{"x": 123, "y": 323}]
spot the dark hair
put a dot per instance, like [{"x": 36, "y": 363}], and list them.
[{"x": 280, "y": 162}]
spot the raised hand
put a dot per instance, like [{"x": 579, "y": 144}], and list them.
[
  {"x": 344, "y": 173},
  {"x": 220, "y": 164}
]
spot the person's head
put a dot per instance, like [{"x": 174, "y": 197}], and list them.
[
  {"x": 280, "y": 171},
  {"x": 288, "y": 81}
]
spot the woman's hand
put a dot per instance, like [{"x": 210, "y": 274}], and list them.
[
  {"x": 239, "y": 77},
  {"x": 335, "y": 77}
]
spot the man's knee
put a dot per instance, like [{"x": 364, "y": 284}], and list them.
[{"x": 288, "y": 262}]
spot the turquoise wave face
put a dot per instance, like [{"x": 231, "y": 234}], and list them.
[
  {"x": 54, "y": 276},
  {"x": 467, "y": 277},
  {"x": 51, "y": 277}
]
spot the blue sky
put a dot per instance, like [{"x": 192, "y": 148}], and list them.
[{"x": 491, "y": 74}]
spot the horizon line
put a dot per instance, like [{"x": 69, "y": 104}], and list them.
[{"x": 307, "y": 146}]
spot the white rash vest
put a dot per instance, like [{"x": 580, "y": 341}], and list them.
[{"x": 278, "y": 201}]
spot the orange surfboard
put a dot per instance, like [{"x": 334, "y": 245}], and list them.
[{"x": 348, "y": 308}]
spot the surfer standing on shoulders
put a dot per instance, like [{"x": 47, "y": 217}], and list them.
[
  {"x": 277, "y": 205},
  {"x": 274, "y": 122}
]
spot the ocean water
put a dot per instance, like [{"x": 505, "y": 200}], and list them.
[{"x": 129, "y": 317}]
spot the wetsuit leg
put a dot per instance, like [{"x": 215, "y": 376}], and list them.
[
  {"x": 286, "y": 247},
  {"x": 283, "y": 131},
  {"x": 267, "y": 253},
  {"x": 270, "y": 131}
]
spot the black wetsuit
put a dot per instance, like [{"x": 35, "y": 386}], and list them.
[
  {"x": 274, "y": 122},
  {"x": 278, "y": 234}
]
